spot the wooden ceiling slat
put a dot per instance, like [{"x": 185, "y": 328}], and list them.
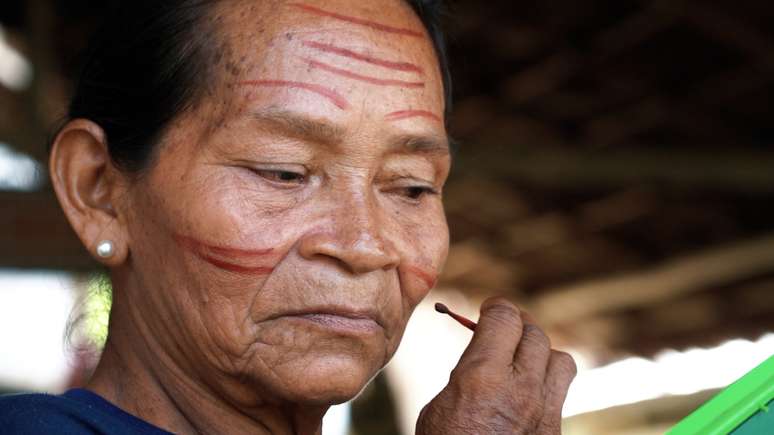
[
  {"x": 676, "y": 278},
  {"x": 705, "y": 168}
]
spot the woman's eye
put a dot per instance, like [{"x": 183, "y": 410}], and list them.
[
  {"x": 417, "y": 192},
  {"x": 279, "y": 176}
]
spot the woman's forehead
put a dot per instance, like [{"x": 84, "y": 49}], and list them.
[{"x": 333, "y": 58}]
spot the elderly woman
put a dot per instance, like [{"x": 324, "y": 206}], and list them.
[{"x": 263, "y": 180}]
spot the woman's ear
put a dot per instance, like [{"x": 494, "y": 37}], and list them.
[{"x": 87, "y": 185}]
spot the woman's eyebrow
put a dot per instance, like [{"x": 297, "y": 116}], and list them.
[
  {"x": 295, "y": 125},
  {"x": 429, "y": 144}
]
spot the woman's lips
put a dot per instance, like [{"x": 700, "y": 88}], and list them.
[
  {"x": 338, "y": 319},
  {"x": 342, "y": 324}
]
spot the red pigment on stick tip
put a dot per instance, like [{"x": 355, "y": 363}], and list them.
[
  {"x": 363, "y": 78},
  {"x": 403, "y": 114},
  {"x": 358, "y": 21},
  {"x": 330, "y": 94},
  {"x": 330, "y": 48},
  {"x": 441, "y": 308}
]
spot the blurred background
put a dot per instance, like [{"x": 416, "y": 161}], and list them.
[{"x": 615, "y": 176}]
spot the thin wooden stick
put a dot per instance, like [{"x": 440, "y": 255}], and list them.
[{"x": 441, "y": 308}]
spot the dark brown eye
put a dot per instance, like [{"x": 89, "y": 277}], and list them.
[
  {"x": 278, "y": 176},
  {"x": 289, "y": 176},
  {"x": 417, "y": 192}
]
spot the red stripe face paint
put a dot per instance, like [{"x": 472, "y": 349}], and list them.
[
  {"x": 363, "y": 78},
  {"x": 398, "y": 66},
  {"x": 429, "y": 278},
  {"x": 195, "y": 245},
  {"x": 333, "y": 96},
  {"x": 358, "y": 21},
  {"x": 227, "y": 258},
  {"x": 403, "y": 114},
  {"x": 231, "y": 267}
]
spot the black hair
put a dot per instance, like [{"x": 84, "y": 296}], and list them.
[
  {"x": 431, "y": 12},
  {"x": 150, "y": 61}
]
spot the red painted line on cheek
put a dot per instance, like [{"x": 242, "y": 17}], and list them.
[
  {"x": 208, "y": 253},
  {"x": 330, "y": 94},
  {"x": 358, "y": 21},
  {"x": 403, "y": 114},
  {"x": 231, "y": 267},
  {"x": 330, "y": 48},
  {"x": 428, "y": 277},
  {"x": 197, "y": 246},
  {"x": 363, "y": 78}
]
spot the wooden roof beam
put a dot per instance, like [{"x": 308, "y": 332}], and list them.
[
  {"x": 541, "y": 165},
  {"x": 558, "y": 68},
  {"x": 681, "y": 276}
]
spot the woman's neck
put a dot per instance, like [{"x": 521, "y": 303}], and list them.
[{"x": 138, "y": 376}]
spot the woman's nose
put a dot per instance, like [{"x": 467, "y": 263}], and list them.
[{"x": 355, "y": 238}]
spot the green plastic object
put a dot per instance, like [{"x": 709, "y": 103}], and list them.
[{"x": 745, "y": 407}]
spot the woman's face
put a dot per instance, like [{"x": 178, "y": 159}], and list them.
[{"x": 292, "y": 220}]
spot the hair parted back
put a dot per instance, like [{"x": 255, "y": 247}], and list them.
[{"x": 151, "y": 60}]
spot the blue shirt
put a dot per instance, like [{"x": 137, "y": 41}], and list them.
[{"x": 76, "y": 412}]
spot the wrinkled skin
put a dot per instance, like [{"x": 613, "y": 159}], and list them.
[
  {"x": 508, "y": 380},
  {"x": 312, "y": 204}
]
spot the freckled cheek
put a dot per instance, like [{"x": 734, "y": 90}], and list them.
[
  {"x": 226, "y": 252},
  {"x": 425, "y": 255},
  {"x": 236, "y": 213}
]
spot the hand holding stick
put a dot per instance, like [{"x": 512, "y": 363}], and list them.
[{"x": 508, "y": 381}]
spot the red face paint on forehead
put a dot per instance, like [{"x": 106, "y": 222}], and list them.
[
  {"x": 403, "y": 114},
  {"x": 333, "y": 96},
  {"x": 330, "y": 48},
  {"x": 358, "y": 21},
  {"x": 364, "y": 78},
  {"x": 227, "y": 258}
]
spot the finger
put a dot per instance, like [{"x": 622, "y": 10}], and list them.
[
  {"x": 497, "y": 334},
  {"x": 527, "y": 317},
  {"x": 560, "y": 373},
  {"x": 533, "y": 353}
]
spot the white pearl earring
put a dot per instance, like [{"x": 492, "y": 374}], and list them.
[{"x": 105, "y": 249}]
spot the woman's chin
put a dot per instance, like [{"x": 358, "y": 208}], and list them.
[{"x": 327, "y": 381}]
